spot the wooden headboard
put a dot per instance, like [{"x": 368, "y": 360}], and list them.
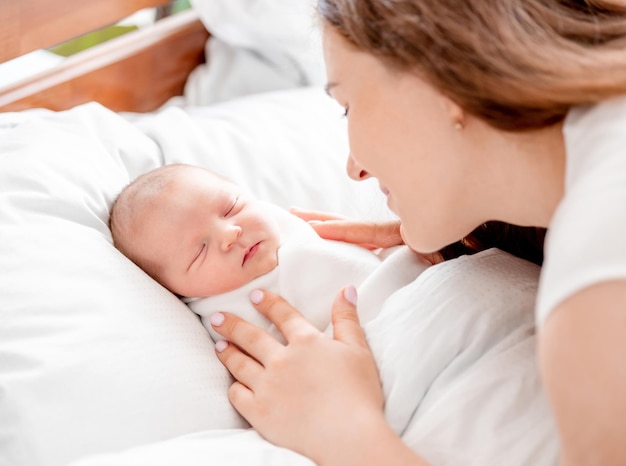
[{"x": 137, "y": 71}]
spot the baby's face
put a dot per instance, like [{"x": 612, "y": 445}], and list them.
[{"x": 207, "y": 237}]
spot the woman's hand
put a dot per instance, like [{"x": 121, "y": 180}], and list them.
[
  {"x": 371, "y": 235},
  {"x": 315, "y": 395}
]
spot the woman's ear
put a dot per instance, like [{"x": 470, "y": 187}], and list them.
[{"x": 457, "y": 114}]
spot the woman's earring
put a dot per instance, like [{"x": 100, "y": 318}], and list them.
[{"x": 458, "y": 126}]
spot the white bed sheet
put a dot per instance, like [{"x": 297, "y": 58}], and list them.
[{"x": 94, "y": 355}]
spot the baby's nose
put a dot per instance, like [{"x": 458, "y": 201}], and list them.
[{"x": 231, "y": 235}]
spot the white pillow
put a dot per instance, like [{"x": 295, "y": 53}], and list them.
[
  {"x": 94, "y": 355},
  {"x": 256, "y": 46},
  {"x": 289, "y": 147}
]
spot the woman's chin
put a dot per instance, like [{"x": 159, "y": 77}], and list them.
[{"x": 418, "y": 246}]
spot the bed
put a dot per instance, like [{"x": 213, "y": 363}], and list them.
[{"x": 99, "y": 365}]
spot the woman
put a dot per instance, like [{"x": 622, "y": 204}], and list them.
[{"x": 467, "y": 112}]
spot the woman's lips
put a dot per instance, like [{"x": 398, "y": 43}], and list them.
[{"x": 251, "y": 253}]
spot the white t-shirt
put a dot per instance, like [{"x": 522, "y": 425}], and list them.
[{"x": 586, "y": 241}]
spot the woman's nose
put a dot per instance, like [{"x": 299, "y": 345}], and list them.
[
  {"x": 355, "y": 171},
  {"x": 230, "y": 236}
]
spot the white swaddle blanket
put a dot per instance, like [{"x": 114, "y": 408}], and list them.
[
  {"x": 310, "y": 273},
  {"x": 455, "y": 350}
]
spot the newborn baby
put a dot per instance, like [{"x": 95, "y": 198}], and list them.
[{"x": 203, "y": 238}]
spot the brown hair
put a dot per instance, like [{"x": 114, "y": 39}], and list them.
[
  {"x": 516, "y": 64},
  {"x": 524, "y": 242}
]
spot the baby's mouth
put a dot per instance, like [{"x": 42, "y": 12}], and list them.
[{"x": 251, "y": 253}]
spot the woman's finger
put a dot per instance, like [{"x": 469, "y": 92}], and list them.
[
  {"x": 242, "y": 398},
  {"x": 346, "y": 231},
  {"x": 375, "y": 234},
  {"x": 288, "y": 320},
  {"x": 388, "y": 234},
  {"x": 372, "y": 235},
  {"x": 309, "y": 215},
  {"x": 346, "y": 325},
  {"x": 242, "y": 367},
  {"x": 250, "y": 338}
]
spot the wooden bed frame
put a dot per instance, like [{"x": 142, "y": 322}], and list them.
[{"x": 136, "y": 72}]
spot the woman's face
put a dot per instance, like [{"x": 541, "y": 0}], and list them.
[{"x": 402, "y": 131}]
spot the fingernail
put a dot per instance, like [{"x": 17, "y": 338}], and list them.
[
  {"x": 221, "y": 345},
  {"x": 217, "y": 319},
  {"x": 349, "y": 292},
  {"x": 256, "y": 296}
]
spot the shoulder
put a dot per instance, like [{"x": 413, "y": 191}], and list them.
[
  {"x": 595, "y": 138},
  {"x": 585, "y": 242}
]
